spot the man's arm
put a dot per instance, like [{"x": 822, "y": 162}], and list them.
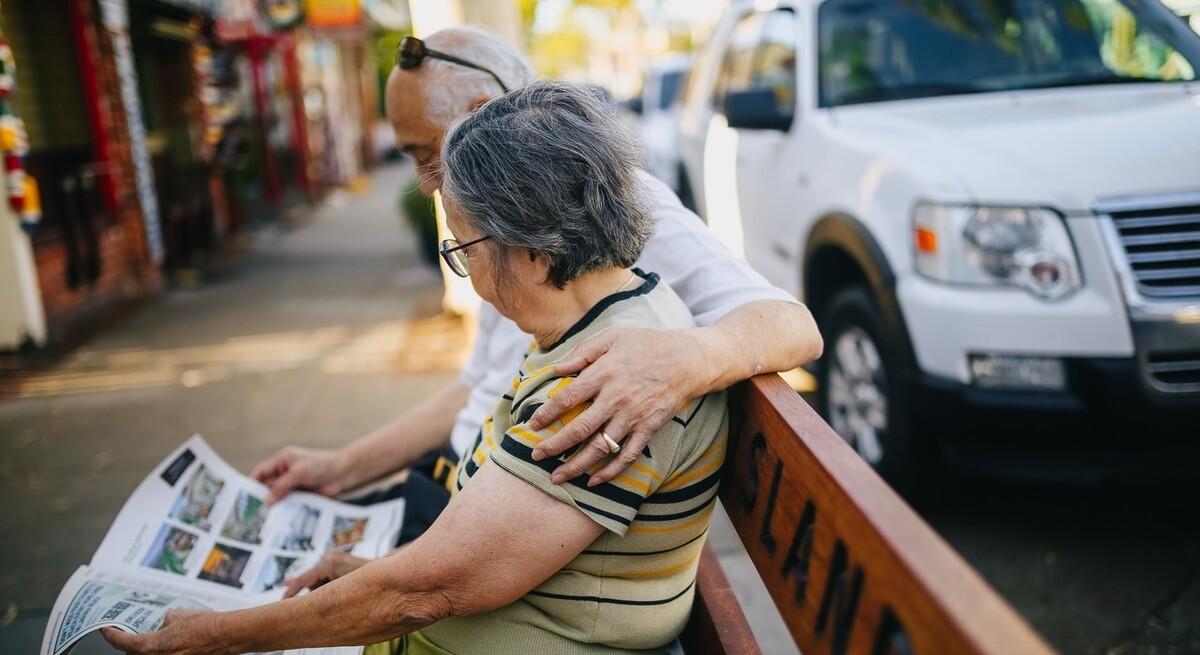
[
  {"x": 473, "y": 559},
  {"x": 637, "y": 379},
  {"x": 423, "y": 427}
]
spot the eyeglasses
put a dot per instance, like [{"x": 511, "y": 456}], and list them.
[
  {"x": 455, "y": 254},
  {"x": 412, "y": 51}
]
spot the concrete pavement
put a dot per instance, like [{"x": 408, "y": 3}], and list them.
[{"x": 316, "y": 336}]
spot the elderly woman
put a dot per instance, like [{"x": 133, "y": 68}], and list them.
[{"x": 540, "y": 193}]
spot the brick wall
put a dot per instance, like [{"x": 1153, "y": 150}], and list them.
[
  {"x": 126, "y": 270},
  {"x": 118, "y": 278}
]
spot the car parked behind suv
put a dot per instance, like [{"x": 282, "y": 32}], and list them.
[
  {"x": 657, "y": 108},
  {"x": 992, "y": 208}
]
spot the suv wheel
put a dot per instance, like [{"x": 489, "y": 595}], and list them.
[
  {"x": 857, "y": 394},
  {"x": 861, "y": 389}
]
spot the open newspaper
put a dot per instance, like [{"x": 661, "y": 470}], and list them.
[{"x": 197, "y": 534}]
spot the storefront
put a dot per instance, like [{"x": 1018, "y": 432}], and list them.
[
  {"x": 92, "y": 246},
  {"x": 168, "y": 42},
  {"x": 338, "y": 111},
  {"x": 158, "y": 128},
  {"x": 270, "y": 131}
]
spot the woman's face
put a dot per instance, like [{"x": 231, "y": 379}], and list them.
[{"x": 522, "y": 274}]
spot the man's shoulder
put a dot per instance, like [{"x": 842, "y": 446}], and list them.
[{"x": 664, "y": 205}]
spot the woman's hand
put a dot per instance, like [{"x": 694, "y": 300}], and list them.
[
  {"x": 181, "y": 633},
  {"x": 332, "y": 566},
  {"x": 294, "y": 468}
]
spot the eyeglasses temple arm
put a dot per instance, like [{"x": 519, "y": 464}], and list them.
[{"x": 463, "y": 62}]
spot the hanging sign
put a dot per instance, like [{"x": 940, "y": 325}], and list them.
[
  {"x": 115, "y": 16},
  {"x": 333, "y": 13}
]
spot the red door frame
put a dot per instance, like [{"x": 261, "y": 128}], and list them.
[
  {"x": 83, "y": 32},
  {"x": 258, "y": 49}
]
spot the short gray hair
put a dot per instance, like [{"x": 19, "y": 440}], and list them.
[
  {"x": 550, "y": 168},
  {"x": 458, "y": 86}
]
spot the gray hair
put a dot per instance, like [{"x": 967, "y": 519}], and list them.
[
  {"x": 458, "y": 86},
  {"x": 550, "y": 168}
]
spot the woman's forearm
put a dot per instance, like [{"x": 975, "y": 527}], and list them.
[
  {"x": 473, "y": 559},
  {"x": 367, "y": 606},
  {"x": 759, "y": 337}
]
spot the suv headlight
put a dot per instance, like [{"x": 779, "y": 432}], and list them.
[{"x": 1009, "y": 246}]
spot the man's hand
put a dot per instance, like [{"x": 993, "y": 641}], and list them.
[
  {"x": 332, "y": 566},
  {"x": 300, "y": 468},
  {"x": 637, "y": 379},
  {"x": 181, "y": 633}
]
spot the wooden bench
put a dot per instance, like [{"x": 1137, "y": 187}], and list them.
[{"x": 850, "y": 566}]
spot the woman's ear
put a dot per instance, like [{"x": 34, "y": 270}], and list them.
[{"x": 541, "y": 266}]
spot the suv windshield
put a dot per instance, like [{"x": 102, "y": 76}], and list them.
[{"x": 876, "y": 50}]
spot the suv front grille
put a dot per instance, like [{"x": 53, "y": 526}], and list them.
[{"x": 1163, "y": 249}]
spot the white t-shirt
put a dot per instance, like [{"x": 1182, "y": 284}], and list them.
[{"x": 701, "y": 270}]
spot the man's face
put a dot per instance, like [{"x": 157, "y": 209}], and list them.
[{"x": 416, "y": 135}]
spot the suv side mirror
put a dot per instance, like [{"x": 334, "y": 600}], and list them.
[
  {"x": 634, "y": 105},
  {"x": 756, "y": 109}
]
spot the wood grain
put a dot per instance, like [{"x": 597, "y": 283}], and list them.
[
  {"x": 851, "y": 567},
  {"x": 717, "y": 624}
]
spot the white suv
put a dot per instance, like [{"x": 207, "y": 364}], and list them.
[{"x": 993, "y": 209}]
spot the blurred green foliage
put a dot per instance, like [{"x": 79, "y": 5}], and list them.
[
  {"x": 417, "y": 209},
  {"x": 384, "y": 43},
  {"x": 558, "y": 52}
]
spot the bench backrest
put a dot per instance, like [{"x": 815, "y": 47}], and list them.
[{"x": 850, "y": 566}]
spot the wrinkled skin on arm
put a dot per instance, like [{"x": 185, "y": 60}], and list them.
[
  {"x": 637, "y": 379},
  {"x": 475, "y": 558}
]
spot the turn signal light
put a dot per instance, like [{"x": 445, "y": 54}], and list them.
[{"x": 926, "y": 240}]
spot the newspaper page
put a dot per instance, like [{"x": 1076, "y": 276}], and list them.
[{"x": 197, "y": 534}]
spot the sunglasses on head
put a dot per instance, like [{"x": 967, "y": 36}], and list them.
[{"x": 412, "y": 51}]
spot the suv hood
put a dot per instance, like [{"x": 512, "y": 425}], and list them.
[{"x": 1059, "y": 147}]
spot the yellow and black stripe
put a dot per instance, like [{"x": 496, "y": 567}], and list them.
[{"x": 632, "y": 588}]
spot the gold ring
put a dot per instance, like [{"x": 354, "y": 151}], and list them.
[{"x": 613, "y": 447}]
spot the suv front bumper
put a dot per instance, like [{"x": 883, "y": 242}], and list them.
[{"x": 1106, "y": 422}]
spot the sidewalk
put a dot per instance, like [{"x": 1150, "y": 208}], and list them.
[{"x": 316, "y": 336}]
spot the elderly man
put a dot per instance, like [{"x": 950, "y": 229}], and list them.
[{"x": 630, "y": 382}]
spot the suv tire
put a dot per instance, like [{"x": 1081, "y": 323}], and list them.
[{"x": 862, "y": 392}]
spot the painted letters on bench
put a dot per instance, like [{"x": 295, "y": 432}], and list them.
[
  {"x": 799, "y": 556},
  {"x": 840, "y": 600},
  {"x": 851, "y": 568},
  {"x": 836, "y": 608}
]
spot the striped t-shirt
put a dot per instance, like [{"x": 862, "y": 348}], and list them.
[{"x": 632, "y": 588}]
